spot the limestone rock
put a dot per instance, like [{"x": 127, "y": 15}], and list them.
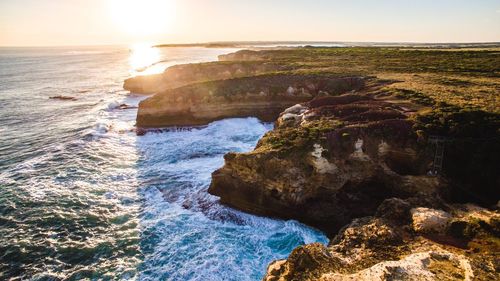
[
  {"x": 185, "y": 74},
  {"x": 376, "y": 248},
  {"x": 429, "y": 220},
  {"x": 419, "y": 267}
]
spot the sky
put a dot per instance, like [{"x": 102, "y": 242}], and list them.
[{"x": 110, "y": 22}]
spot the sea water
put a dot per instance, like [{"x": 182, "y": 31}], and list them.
[{"x": 83, "y": 197}]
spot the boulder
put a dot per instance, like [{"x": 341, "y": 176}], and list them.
[{"x": 429, "y": 220}]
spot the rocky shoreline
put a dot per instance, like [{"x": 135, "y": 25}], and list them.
[{"x": 354, "y": 152}]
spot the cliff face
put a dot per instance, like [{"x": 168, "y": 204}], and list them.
[
  {"x": 185, "y": 74},
  {"x": 263, "y": 96},
  {"x": 357, "y": 167}
]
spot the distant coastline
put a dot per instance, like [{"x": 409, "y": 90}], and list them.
[{"x": 246, "y": 44}]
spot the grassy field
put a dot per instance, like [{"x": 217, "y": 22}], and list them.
[{"x": 462, "y": 77}]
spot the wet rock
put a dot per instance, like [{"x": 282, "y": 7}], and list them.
[
  {"x": 126, "y": 106},
  {"x": 65, "y": 98},
  {"x": 140, "y": 131}
]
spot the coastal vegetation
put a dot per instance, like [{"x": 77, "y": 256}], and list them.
[{"x": 462, "y": 77}]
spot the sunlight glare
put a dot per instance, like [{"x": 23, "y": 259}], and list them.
[
  {"x": 142, "y": 17},
  {"x": 142, "y": 57}
]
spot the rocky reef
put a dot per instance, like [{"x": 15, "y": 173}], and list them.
[{"x": 383, "y": 149}]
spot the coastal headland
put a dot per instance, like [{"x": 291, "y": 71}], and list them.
[{"x": 391, "y": 151}]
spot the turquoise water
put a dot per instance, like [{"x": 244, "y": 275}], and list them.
[{"x": 82, "y": 197}]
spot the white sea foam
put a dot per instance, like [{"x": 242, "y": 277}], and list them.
[
  {"x": 192, "y": 236},
  {"x": 113, "y": 105}
]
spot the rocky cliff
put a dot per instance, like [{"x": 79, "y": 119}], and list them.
[
  {"x": 328, "y": 161},
  {"x": 185, "y": 74},
  {"x": 264, "y": 96},
  {"x": 334, "y": 159},
  {"x": 360, "y": 166}
]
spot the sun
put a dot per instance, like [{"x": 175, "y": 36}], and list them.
[{"x": 142, "y": 17}]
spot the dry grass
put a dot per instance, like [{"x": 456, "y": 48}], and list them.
[{"x": 467, "y": 77}]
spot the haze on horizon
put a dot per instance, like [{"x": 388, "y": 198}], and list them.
[{"x": 109, "y": 22}]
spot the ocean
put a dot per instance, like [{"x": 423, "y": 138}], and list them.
[{"x": 83, "y": 198}]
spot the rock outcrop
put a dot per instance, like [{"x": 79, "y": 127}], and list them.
[
  {"x": 357, "y": 167},
  {"x": 65, "y": 98},
  {"x": 392, "y": 245},
  {"x": 264, "y": 96}
]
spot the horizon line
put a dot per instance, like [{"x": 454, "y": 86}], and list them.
[{"x": 250, "y": 42}]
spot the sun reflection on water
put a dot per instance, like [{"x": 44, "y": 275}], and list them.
[{"x": 143, "y": 59}]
